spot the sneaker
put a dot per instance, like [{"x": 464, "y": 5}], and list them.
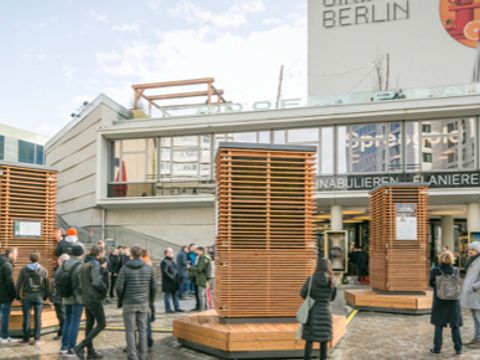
[
  {"x": 94, "y": 355},
  {"x": 170, "y": 312},
  {"x": 9, "y": 341},
  {"x": 63, "y": 352},
  {"x": 70, "y": 354},
  {"x": 80, "y": 352},
  {"x": 458, "y": 352},
  {"x": 433, "y": 352},
  {"x": 179, "y": 310}
]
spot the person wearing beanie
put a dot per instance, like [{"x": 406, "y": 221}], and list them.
[
  {"x": 470, "y": 298},
  {"x": 66, "y": 245},
  {"x": 74, "y": 304}
]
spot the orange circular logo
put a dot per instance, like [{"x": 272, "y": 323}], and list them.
[{"x": 461, "y": 19}]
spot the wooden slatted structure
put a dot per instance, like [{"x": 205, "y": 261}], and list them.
[
  {"x": 28, "y": 193},
  {"x": 398, "y": 265},
  {"x": 265, "y": 239}
]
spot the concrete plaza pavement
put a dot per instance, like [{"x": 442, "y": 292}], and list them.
[{"x": 371, "y": 336}]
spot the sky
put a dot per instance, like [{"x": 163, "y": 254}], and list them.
[{"x": 56, "y": 54}]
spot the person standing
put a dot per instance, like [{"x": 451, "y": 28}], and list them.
[
  {"x": 7, "y": 293},
  {"x": 201, "y": 276},
  {"x": 445, "y": 312},
  {"x": 182, "y": 264},
  {"x": 361, "y": 260},
  {"x": 147, "y": 260},
  {"x": 66, "y": 245},
  {"x": 94, "y": 292},
  {"x": 56, "y": 299},
  {"x": 114, "y": 268},
  {"x": 104, "y": 266},
  {"x": 470, "y": 297},
  {"x": 74, "y": 303},
  {"x": 192, "y": 261},
  {"x": 170, "y": 282},
  {"x": 32, "y": 290},
  {"x": 136, "y": 294},
  {"x": 319, "y": 325}
]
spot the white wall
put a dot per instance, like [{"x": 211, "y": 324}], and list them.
[{"x": 422, "y": 53}]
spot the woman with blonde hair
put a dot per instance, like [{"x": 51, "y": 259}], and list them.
[{"x": 446, "y": 306}]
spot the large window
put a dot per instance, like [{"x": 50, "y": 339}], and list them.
[
  {"x": 2, "y": 147},
  {"x": 134, "y": 160},
  {"x": 26, "y": 152}
]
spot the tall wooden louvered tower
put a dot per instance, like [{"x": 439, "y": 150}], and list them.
[
  {"x": 265, "y": 250},
  {"x": 398, "y": 244},
  {"x": 265, "y": 242},
  {"x": 28, "y": 196}
]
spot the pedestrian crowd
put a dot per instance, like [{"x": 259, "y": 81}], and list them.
[{"x": 83, "y": 281}]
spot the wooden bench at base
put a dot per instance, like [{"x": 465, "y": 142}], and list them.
[
  {"x": 49, "y": 321},
  {"x": 206, "y": 333},
  {"x": 418, "y": 304}
]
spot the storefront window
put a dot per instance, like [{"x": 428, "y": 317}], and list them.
[
  {"x": 326, "y": 151},
  {"x": 413, "y": 158}
]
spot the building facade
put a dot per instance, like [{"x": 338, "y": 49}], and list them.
[{"x": 21, "y": 146}]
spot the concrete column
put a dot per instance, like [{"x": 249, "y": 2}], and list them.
[
  {"x": 473, "y": 217},
  {"x": 336, "y": 221},
  {"x": 448, "y": 232}
]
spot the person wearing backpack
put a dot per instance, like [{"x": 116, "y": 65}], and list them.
[
  {"x": 444, "y": 279},
  {"x": 470, "y": 298},
  {"x": 32, "y": 291},
  {"x": 67, "y": 279},
  {"x": 94, "y": 292}
]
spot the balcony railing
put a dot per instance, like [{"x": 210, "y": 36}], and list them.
[{"x": 168, "y": 188}]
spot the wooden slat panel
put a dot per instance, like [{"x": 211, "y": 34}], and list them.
[{"x": 265, "y": 238}]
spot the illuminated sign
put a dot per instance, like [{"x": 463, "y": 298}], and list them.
[
  {"x": 461, "y": 19},
  {"x": 342, "y": 13},
  {"x": 369, "y": 182}
]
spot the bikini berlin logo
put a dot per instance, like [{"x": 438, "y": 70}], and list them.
[{"x": 461, "y": 19}]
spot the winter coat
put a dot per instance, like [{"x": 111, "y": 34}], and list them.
[
  {"x": 135, "y": 284},
  {"x": 182, "y": 262},
  {"x": 319, "y": 325},
  {"x": 199, "y": 272},
  {"x": 7, "y": 286},
  {"x": 94, "y": 288},
  {"x": 444, "y": 312},
  {"x": 192, "y": 258},
  {"x": 65, "y": 246},
  {"x": 470, "y": 298},
  {"x": 76, "y": 298},
  {"x": 32, "y": 282},
  {"x": 169, "y": 275},
  {"x": 361, "y": 260},
  {"x": 115, "y": 264}
]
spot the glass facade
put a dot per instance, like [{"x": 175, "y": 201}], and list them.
[
  {"x": 2, "y": 147},
  {"x": 30, "y": 153},
  {"x": 379, "y": 148}
]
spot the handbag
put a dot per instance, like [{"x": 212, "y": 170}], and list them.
[{"x": 304, "y": 310}]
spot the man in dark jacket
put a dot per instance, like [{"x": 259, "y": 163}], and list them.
[
  {"x": 32, "y": 290},
  {"x": 66, "y": 245},
  {"x": 115, "y": 264},
  {"x": 135, "y": 290},
  {"x": 170, "y": 282},
  {"x": 94, "y": 291},
  {"x": 7, "y": 292},
  {"x": 182, "y": 264}
]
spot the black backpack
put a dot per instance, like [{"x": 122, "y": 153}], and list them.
[
  {"x": 209, "y": 270},
  {"x": 64, "y": 282}
]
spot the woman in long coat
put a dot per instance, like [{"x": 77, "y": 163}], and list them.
[
  {"x": 445, "y": 312},
  {"x": 319, "y": 325}
]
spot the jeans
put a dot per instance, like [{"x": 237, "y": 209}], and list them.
[
  {"x": 202, "y": 298},
  {"x": 5, "y": 310},
  {"x": 182, "y": 289},
  {"x": 309, "y": 349},
  {"x": 136, "y": 317},
  {"x": 438, "y": 338},
  {"x": 166, "y": 299},
  {"x": 27, "y": 305},
  {"x": 71, "y": 327},
  {"x": 476, "y": 322},
  {"x": 113, "y": 281},
  {"x": 186, "y": 286},
  {"x": 60, "y": 312},
  {"x": 95, "y": 314}
]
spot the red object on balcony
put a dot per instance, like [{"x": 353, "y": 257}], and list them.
[{"x": 121, "y": 190}]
